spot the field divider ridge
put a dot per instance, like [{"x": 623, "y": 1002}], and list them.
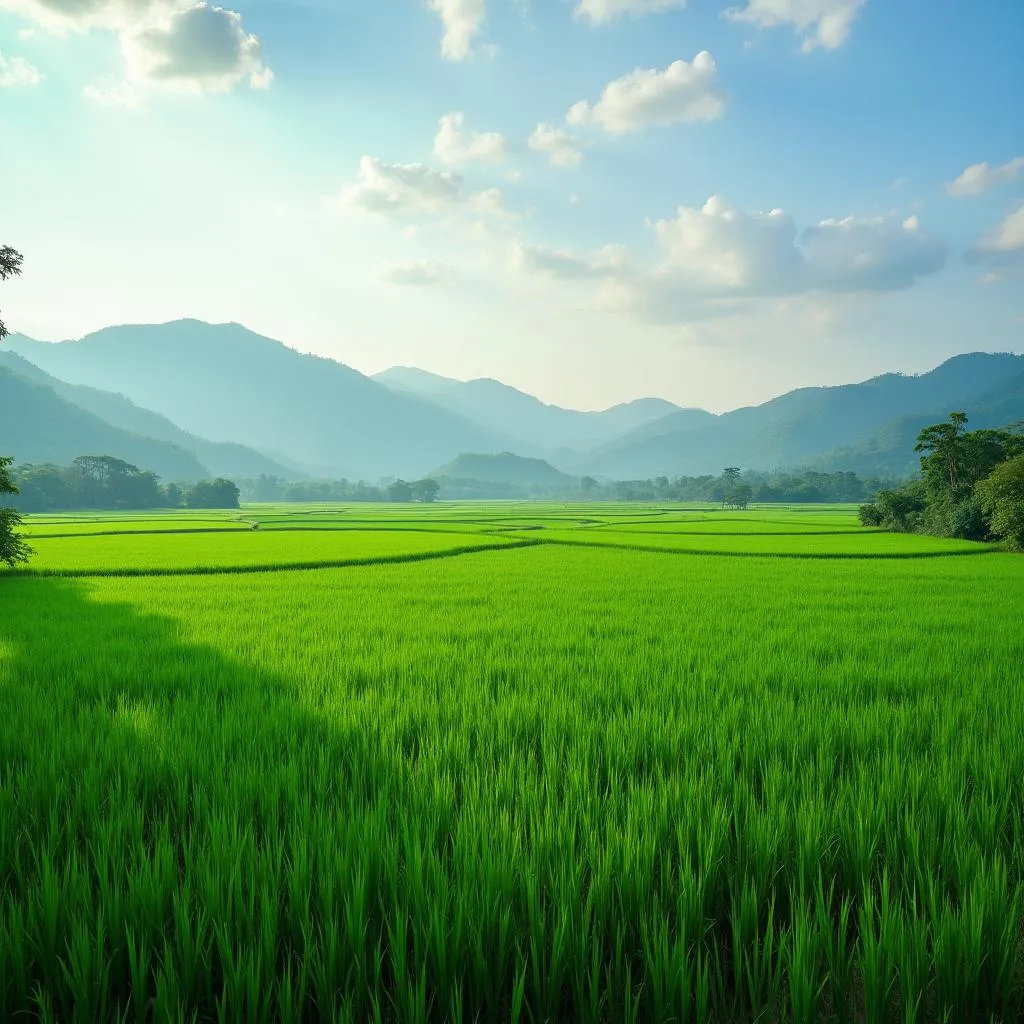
[{"x": 237, "y": 570}]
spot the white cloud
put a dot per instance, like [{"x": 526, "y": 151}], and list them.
[
  {"x": 463, "y": 20},
  {"x": 490, "y": 203},
  {"x": 455, "y": 146},
  {"x": 646, "y": 96},
  {"x": 716, "y": 258},
  {"x": 1003, "y": 246},
  {"x": 723, "y": 250},
  {"x": 170, "y": 45},
  {"x": 416, "y": 273},
  {"x": 563, "y": 149},
  {"x": 870, "y": 254},
  {"x": 417, "y": 190},
  {"x": 600, "y": 12},
  {"x": 720, "y": 249},
  {"x": 199, "y": 49},
  {"x": 16, "y": 72},
  {"x": 821, "y": 22},
  {"x": 403, "y": 189},
  {"x": 566, "y": 264},
  {"x": 64, "y": 16},
  {"x": 981, "y": 177}
]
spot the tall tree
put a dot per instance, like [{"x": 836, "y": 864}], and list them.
[
  {"x": 13, "y": 548},
  {"x": 941, "y": 450},
  {"x": 1002, "y": 498},
  {"x": 10, "y": 266}
]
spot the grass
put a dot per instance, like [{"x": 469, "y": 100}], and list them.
[
  {"x": 547, "y": 783},
  {"x": 172, "y": 552}
]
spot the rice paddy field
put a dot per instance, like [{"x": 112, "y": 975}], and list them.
[{"x": 510, "y": 762}]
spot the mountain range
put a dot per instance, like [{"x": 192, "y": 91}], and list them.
[{"x": 190, "y": 399}]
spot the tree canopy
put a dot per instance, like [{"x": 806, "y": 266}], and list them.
[
  {"x": 13, "y": 549},
  {"x": 971, "y": 485},
  {"x": 10, "y": 266}
]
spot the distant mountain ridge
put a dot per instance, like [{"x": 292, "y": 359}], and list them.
[
  {"x": 217, "y": 459},
  {"x": 503, "y": 468},
  {"x": 811, "y": 425},
  {"x": 186, "y": 381},
  {"x": 38, "y": 425},
  {"x": 226, "y": 383},
  {"x": 545, "y": 429}
]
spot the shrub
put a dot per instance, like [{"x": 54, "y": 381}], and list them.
[{"x": 1001, "y": 496}]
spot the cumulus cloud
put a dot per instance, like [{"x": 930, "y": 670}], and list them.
[
  {"x": 403, "y": 189},
  {"x": 600, "y": 12},
  {"x": 721, "y": 249},
  {"x": 563, "y": 149},
  {"x": 824, "y": 23},
  {"x": 64, "y": 16},
  {"x": 17, "y": 73},
  {"x": 417, "y": 190},
  {"x": 198, "y": 49},
  {"x": 453, "y": 145},
  {"x": 1003, "y": 246},
  {"x": 646, "y": 96},
  {"x": 568, "y": 265},
  {"x": 979, "y": 178},
  {"x": 713, "y": 259},
  {"x": 416, "y": 273},
  {"x": 462, "y": 20},
  {"x": 871, "y": 254},
  {"x": 165, "y": 44}
]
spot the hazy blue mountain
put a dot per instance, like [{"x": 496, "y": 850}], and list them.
[
  {"x": 503, "y": 468},
  {"x": 38, "y": 425},
  {"x": 415, "y": 380},
  {"x": 820, "y": 426},
  {"x": 221, "y": 459},
  {"x": 228, "y": 384},
  {"x": 546, "y": 429},
  {"x": 890, "y": 452}
]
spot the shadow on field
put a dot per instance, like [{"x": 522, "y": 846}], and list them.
[{"x": 152, "y": 788}]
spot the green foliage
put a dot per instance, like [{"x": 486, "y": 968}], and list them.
[
  {"x": 92, "y": 481},
  {"x": 219, "y": 493},
  {"x": 13, "y": 548},
  {"x": 1001, "y": 496},
  {"x": 900, "y": 508},
  {"x": 954, "y": 497},
  {"x": 10, "y": 266},
  {"x": 531, "y": 783},
  {"x": 424, "y": 491}
]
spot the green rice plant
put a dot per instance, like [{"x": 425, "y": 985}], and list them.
[{"x": 564, "y": 782}]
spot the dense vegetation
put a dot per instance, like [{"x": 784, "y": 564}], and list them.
[
  {"x": 103, "y": 482},
  {"x": 13, "y": 549},
  {"x": 971, "y": 486},
  {"x": 528, "y": 771},
  {"x": 750, "y": 487}
]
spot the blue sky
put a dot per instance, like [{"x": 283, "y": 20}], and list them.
[{"x": 590, "y": 199}]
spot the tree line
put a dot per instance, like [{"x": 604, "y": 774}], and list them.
[
  {"x": 266, "y": 488},
  {"x": 105, "y": 482},
  {"x": 971, "y": 486},
  {"x": 737, "y": 488},
  {"x": 733, "y": 487}
]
